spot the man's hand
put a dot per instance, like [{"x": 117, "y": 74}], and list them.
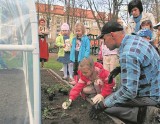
[
  {"x": 66, "y": 104},
  {"x": 96, "y": 109},
  {"x": 97, "y": 99},
  {"x": 113, "y": 74}
]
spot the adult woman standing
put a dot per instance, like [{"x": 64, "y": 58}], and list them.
[
  {"x": 43, "y": 45},
  {"x": 137, "y": 16}
]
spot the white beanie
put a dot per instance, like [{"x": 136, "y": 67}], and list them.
[{"x": 65, "y": 26}]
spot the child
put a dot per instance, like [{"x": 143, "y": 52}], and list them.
[
  {"x": 63, "y": 41},
  {"x": 147, "y": 34},
  {"x": 80, "y": 48},
  {"x": 43, "y": 33},
  {"x": 147, "y": 24},
  {"x": 93, "y": 80}
]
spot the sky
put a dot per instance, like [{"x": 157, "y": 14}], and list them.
[{"x": 61, "y": 2}]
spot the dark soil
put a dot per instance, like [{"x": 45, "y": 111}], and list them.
[{"x": 52, "y": 112}]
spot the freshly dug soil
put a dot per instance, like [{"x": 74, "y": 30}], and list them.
[{"x": 52, "y": 112}]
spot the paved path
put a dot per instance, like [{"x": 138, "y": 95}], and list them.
[{"x": 13, "y": 101}]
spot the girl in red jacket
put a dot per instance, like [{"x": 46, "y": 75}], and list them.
[{"x": 93, "y": 80}]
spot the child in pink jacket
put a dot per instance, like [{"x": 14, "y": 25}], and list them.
[{"x": 93, "y": 80}]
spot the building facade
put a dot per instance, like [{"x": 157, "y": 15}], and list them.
[{"x": 56, "y": 15}]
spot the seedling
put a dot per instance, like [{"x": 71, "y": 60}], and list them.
[
  {"x": 51, "y": 93},
  {"x": 64, "y": 89}
]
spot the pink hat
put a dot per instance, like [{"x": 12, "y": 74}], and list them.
[{"x": 65, "y": 26}]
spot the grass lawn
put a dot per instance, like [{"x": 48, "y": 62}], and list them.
[{"x": 54, "y": 64}]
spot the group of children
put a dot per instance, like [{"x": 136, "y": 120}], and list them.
[
  {"x": 88, "y": 77},
  {"x": 72, "y": 49}
]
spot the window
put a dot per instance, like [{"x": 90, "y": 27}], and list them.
[
  {"x": 50, "y": 35},
  {"x": 58, "y": 21},
  {"x": 95, "y": 24}
]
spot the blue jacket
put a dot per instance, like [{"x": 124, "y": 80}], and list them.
[{"x": 84, "y": 49}]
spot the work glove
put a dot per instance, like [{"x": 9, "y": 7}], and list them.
[
  {"x": 113, "y": 74},
  {"x": 66, "y": 104},
  {"x": 97, "y": 99},
  {"x": 96, "y": 110}
]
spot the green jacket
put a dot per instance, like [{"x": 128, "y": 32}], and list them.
[{"x": 60, "y": 44}]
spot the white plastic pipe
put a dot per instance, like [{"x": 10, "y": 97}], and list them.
[
  {"x": 36, "y": 66},
  {"x": 17, "y": 47}
]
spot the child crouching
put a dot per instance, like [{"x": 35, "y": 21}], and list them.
[{"x": 93, "y": 80}]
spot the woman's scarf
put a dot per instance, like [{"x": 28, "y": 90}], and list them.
[{"x": 137, "y": 21}]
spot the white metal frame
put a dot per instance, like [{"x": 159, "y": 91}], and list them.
[{"x": 34, "y": 47}]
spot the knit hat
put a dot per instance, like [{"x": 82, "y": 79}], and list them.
[
  {"x": 145, "y": 33},
  {"x": 65, "y": 26}
]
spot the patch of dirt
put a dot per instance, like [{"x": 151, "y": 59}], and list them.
[{"x": 52, "y": 112}]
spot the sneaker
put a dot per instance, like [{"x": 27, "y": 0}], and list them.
[
  {"x": 64, "y": 78},
  {"x": 71, "y": 79},
  {"x": 61, "y": 70},
  {"x": 73, "y": 82}
]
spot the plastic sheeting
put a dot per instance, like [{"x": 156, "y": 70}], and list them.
[{"x": 17, "y": 70}]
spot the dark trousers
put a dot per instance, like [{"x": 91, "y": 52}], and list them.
[
  {"x": 76, "y": 63},
  {"x": 130, "y": 110}
]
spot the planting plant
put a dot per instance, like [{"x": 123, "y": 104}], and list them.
[
  {"x": 45, "y": 113},
  {"x": 64, "y": 89},
  {"x": 44, "y": 88},
  {"x": 51, "y": 93},
  {"x": 52, "y": 111}
]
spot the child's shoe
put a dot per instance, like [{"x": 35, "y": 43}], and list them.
[
  {"x": 64, "y": 78},
  {"x": 73, "y": 82}
]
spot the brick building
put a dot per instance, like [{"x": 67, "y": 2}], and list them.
[{"x": 56, "y": 15}]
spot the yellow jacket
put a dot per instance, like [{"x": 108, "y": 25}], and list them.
[{"x": 60, "y": 43}]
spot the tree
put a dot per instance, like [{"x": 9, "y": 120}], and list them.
[
  {"x": 48, "y": 4},
  {"x": 157, "y": 10},
  {"x": 153, "y": 7},
  {"x": 110, "y": 7}
]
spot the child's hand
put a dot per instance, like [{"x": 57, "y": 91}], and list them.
[
  {"x": 98, "y": 98},
  {"x": 66, "y": 104},
  {"x": 99, "y": 82},
  {"x": 89, "y": 82},
  {"x": 64, "y": 46}
]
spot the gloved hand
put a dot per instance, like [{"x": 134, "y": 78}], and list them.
[
  {"x": 96, "y": 109},
  {"x": 113, "y": 74},
  {"x": 98, "y": 98},
  {"x": 66, "y": 104}
]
